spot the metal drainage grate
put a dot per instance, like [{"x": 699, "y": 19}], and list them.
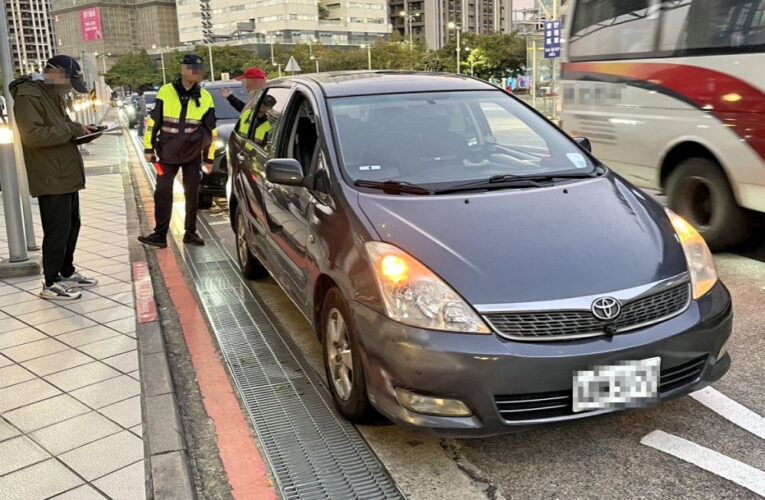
[{"x": 313, "y": 453}]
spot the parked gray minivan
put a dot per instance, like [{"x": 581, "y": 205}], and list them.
[{"x": 469, "y": 268}]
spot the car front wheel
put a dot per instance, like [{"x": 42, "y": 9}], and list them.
[{"x": 342, "y": 360}]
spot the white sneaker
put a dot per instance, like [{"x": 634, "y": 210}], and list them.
[
  {"x": 77, "y": 280},
  {"x": 59, "y": 291}
]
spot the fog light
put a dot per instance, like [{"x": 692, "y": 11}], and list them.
[
  {"x": 723, "y": 350},
  {"x": 428, "y": 405}
]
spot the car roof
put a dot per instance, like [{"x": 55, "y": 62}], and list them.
[
  {"x": 227, "y": 83},
  {"x": 352, "y": 83}
]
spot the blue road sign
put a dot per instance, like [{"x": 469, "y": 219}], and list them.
[{"x": 552, "y": 39}]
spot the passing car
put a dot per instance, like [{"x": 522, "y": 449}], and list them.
[
  {"x": 469, "y": 268},
  {"x": 213, "y": 185}
]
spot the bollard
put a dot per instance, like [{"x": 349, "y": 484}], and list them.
[{"x": 17, "y": 247}]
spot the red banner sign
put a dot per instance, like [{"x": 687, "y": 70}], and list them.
[{"x": 90, "y": 23}]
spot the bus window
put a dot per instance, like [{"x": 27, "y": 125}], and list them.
[
  {"x": 690, "y": 25},
  {"x": 602, "y": 29}
]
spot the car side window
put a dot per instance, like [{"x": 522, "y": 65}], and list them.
[{"x": 263, "y": 121}]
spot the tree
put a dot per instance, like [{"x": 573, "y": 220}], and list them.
[
  {"x": 134, "y": 71},
  {"x": 231, "y": 60}
]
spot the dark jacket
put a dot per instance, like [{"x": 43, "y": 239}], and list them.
[
  {"x": 53, "y": 162},
  {"x": 237, "y": 103}
]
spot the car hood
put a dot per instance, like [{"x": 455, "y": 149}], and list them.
[{"x": 589, "y": 237}]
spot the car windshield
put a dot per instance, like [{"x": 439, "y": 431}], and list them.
[
  {"x": 224, "y": 110},
  {"x": 443, "y": 139}
]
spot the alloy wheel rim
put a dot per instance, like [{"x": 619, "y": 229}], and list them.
[
  {"x": 241, "y": 240},
  {"x": 339, "y": 355}
]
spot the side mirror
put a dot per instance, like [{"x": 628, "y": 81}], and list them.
[
  {"x": 584, "y": 143},
  {"x": 286, "y": 171}
]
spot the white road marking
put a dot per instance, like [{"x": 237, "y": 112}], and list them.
[
  {"x": 731, "y": 410},
  {"x": 740, "y": 473}
]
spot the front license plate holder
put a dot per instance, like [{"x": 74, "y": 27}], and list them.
[{"x": 628, "y": 384}]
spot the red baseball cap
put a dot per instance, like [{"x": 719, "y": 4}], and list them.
[{"x": 253, "y": 74}]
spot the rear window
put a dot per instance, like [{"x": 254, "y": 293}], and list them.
[{"x": 223, "y": 109}]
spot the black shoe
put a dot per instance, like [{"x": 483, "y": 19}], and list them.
[
  {"x": 154, "y": 240},
  {"x": 193, "y": 238}
]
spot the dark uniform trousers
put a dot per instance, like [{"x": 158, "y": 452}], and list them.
[
  {"x": 60, "y": 217},
  {"x": 163, "y": 195}
]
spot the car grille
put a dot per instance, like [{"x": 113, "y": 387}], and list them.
[
  {"x": 523, "y": 407},
  {"x": 563, "y": 325}
]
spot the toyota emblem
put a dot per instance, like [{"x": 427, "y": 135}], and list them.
[{"x": 606, "y": 308}]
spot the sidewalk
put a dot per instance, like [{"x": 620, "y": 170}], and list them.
[{"x": 70, "y": 391}]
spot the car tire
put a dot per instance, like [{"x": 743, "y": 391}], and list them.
[
  {"x": 249, "y": 265},
  {"x": 205, "y": 201},
  {"x": 342, "y": 360},
  {"x": 698, "y": 191}
]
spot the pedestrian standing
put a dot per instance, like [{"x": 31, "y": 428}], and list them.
[
  {"x": 140, "y": 109},
  {"x": 253, "y": 80},
  {"x": 181, "y": 133},
  {"x": 55, "y": 169}
]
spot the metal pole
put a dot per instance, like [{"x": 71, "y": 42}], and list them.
[
  {"x": 410, "y": 18},
  {"x": 273, "y": 63},
  {"x": 369, "y": 57},
  {"x": 212, "y": 68},
  {"x": 162, "y": 58},
  {"x": 17, "y": 248},
  {"x": 26, "y": 204},
  {"x": 459, "y": 28},
  {"x": 534, "y": 73}
]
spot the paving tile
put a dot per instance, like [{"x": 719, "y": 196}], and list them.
[
  {"x": 28, "y": 307},
  {"x": 105, "y": 281},
  {"x": 126, "y": 362},
  {"x": 128, "y": 483},
  {"x": 126, "y": 325},
  {"x": 39, "y": 317},
  {"x": 84, "y": 492},
  {"x": 87, "y": 335},
  {"x": 108, "y": 391},
  {"x": 25, "y": 393},
  {"x": 137, "y": 430},
  {"x": 136, "y": 375},
  {"x": 10, "y": 324},
  {"x": 14, "y": 374},
  {"x": 6, "y": 289},
  {"x": 28, "y": 285},
  {"x": 111, "y": 314},
  {"x": 45, "y": 413},
  {"x": 57, "y": 362},
  {"x": 115, "y": 268},
  {"x": 126, "y": 277},
  {"x": 65, "y": 325},
  {"x": 32, "y": 350},
  {"x": 5, "y": 361},
  {"x": 7, "y": 431},
  {"x": 39, "y": 481},
  {"x": 21, "y": 336},
  {"x": 93, "y": 303},
  {"x": 18, "y": 298},
  {"x": 19, "y": 452},
  {"x": 74, "y": 378},
  {"x": 75, "y": 432},
  {"x": 105, "y": 455},
  {"x": 125, "y": 298},
  {"x": 113, "y": 289},
  {"x": 110, "y": 347},
  {"x": 126, "y": 413}
]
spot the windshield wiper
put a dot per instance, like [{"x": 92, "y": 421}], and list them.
[
  {"x": 394, "y": 186},
  {"x": 510, "y": 180}
]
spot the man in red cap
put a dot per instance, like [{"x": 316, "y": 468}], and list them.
[{"x": 253, "y": 79}]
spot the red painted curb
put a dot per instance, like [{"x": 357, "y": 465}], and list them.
[
  {"x": 145, "y": 306},
  {"x": 244, "y": 466}
]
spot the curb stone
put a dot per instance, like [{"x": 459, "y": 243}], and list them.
[{"x": 168, "y": 473}]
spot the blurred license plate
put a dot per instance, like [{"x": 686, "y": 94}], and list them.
[{"x": 626, "y": 385}]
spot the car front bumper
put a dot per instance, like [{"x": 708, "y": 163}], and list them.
[
  {"x": 484, "y": 370},
  {"x": 214, "y": 183}
]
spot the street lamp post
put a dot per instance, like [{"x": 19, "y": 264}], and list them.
[
  {"x": 316, "y": 58},
  {"x": 369, "y": 54},
  {"x": 212, "y": 68},
  {"x": 280, "y": 69},
  {"x": 408, "y": 20},
  {"x": 162, "y": 59},
  {"x": 454, "y": 26}
]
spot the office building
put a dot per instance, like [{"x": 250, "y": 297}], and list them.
[
  {"x": 30, "y": 33},
  {"x": 113, "y": 26},
  {"x": 333, "y": 22},
  {"x": 429, "y": 19}
]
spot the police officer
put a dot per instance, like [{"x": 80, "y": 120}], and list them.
[
  {"x": 261, "y": 123},
  {"x": 181, "y": 132}
]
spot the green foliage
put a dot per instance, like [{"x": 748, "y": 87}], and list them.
[
  {"x": 134, "y": 71},
  {"x": 495, "y": 54}
]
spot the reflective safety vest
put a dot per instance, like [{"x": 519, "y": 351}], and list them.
[
  {"x": 244, "y": 121},
  {"x": 262, "y": 130},
  {"x": 176, "y": 145}
]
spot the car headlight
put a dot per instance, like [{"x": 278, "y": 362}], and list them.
[
  {"x": 415, "y": 296},
  {"x": 131, "y": 109},
  {"x": 119, "y": 103},
  {"x": 701, "y": 264},
  {"x": 219, "y": 144}
]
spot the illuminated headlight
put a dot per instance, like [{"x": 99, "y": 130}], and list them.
[
  {"x": 219, "y": 144},
  {"x": 130, "y": 109},
  {"x": 119, "y": 103},
  {"x": 415, "y": 296},
  {"x": 701, "y": 264},
  {"x": 428, "y": 405}
]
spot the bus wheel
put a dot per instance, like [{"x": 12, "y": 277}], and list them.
[{"x": 699, "y": 192}]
